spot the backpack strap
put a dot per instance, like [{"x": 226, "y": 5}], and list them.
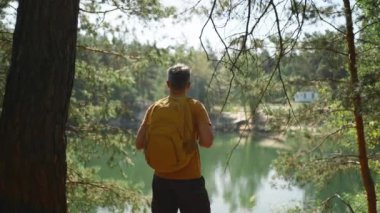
[{"x": 188, "y": 120}]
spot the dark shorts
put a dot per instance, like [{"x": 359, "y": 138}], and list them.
[{"x": 189, "y": 196}]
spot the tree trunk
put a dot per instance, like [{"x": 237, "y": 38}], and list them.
[
  {"x": 35, "y": 107},
  {"x": 356, "y": 99}
]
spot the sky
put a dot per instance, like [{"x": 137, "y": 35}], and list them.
[
  {"x": 168, "y": 32},
  {"x": 165, "y": 33}
]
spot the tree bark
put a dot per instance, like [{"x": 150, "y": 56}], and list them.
[
  {"x": 357, "y": 103},
  {"x": 35, "y": 107}
]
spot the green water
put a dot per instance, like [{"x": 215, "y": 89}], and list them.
[{"x": 248, "y": 184}]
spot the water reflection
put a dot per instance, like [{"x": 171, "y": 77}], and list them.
[
  {"x": 245, "y": 186},
  {"x": 272, "y": 195},
  {"x": 249, "y": 183}
]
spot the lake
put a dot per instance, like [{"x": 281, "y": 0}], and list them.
[{"x": 248, "y": 184}]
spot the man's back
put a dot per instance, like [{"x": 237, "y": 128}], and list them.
[
  {"x": 170, "y": 133},
  {"x": 170, "y": 138}
]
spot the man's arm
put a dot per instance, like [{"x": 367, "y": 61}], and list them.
[
  {"x": 205, "y": 132},
  {"x": 140, "y": 139},
  {"x": 206, "y": 135}
]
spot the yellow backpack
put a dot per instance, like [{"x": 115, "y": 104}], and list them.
[{"x": 170, "y": 139}]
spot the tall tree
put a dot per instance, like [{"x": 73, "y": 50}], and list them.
[
  {"x": 35, "y": 107},
  {"x": 357, "y": 105},
  {"x": 287, "y": 29}
]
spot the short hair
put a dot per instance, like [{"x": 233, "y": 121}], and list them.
[{"x": 179, "y": 76}]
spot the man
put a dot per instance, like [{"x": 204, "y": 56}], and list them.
[{"x": 170, "y": 133}]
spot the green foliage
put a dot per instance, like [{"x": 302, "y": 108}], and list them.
[
  {"x": 87, "y": 191},
  {"x": 115, "y": 82},
  {"x": 94, "y": 131},
  {"x": 94, "y": 16},
  {"x": 117, "y": 79},
  {"x": 328, "y": 149}
]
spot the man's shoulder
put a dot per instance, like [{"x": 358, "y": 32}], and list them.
[
  {"x": 194, "y": 101},
  {"x": 156, "y": 103},
  {"x": 159, "y": 102},
  {"x": 162, "y": 100}
]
